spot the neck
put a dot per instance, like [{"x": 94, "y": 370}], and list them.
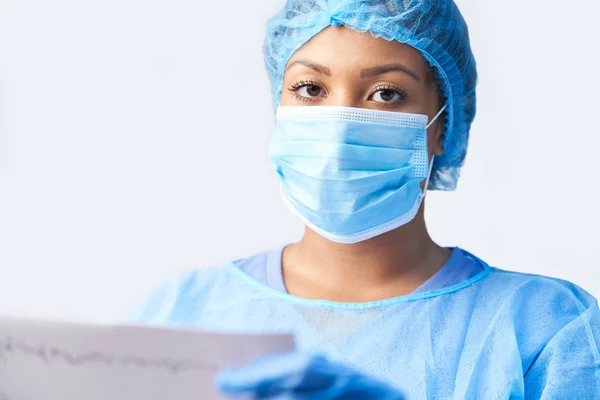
[{"x": 388, "y": 265}]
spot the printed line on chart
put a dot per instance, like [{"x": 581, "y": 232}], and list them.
[{"x": 10, "y": 346}]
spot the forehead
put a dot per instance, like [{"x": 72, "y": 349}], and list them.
[{"x": 342, "y": 49}]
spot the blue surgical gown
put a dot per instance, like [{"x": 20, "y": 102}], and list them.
[{"x": 496, "y": 335}]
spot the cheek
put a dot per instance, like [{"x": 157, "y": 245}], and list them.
[
  {"x": 433, "y": 106},
  {"x": 284, "y": 97},
  {"x": 420, "y": 100}
]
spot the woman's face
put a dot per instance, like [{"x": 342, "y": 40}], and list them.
[{"x": 342, "y": 67}]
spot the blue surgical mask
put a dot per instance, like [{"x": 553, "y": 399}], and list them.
[{"x": 351, "y": 173}]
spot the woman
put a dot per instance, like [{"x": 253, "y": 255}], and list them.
[{"x": 374, "y": 103}]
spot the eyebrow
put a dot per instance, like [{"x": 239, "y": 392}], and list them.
[
  {"x": 383, "y": 69},
  {"x": 364, "y": 73},
  {"x": 312, "y": 65}
]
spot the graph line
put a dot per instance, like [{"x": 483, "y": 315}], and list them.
[{"x": 10, "y": 346}]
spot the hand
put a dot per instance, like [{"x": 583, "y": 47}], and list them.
[{"x": 299, "y": 376}]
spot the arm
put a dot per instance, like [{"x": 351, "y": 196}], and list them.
[{"x": 568, "y": 367}]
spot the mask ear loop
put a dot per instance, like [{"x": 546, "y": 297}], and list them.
[
  {"x": 433, "y": 156},
  {"x": 428, "y": 175},
  {"x": 436, "y": 116}
]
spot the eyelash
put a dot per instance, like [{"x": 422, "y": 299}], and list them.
[
  {"x": 391, "y": 88},
  {"x": 300, "y": 84}
]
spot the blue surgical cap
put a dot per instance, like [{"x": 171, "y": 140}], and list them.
[{"x": 434, "y": 27}]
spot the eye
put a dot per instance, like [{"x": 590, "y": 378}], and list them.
[
  {"x": 388, "y": 95},
  {"x": 310, "y": 91},
  {"x": 307, "y": 91}
]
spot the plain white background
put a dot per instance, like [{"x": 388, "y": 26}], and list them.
[{"x": 133, "y": 140}]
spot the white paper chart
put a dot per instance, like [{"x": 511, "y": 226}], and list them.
[{"x": 63, "y": 361}]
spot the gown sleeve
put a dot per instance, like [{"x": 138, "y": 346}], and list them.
[
  {"x": 177, "y": 301},
  {"x": 158, "y": 305},
  {"x": 568, "y": 367}
]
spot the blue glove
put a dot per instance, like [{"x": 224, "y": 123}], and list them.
[{"x": 295, "y": 376}]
